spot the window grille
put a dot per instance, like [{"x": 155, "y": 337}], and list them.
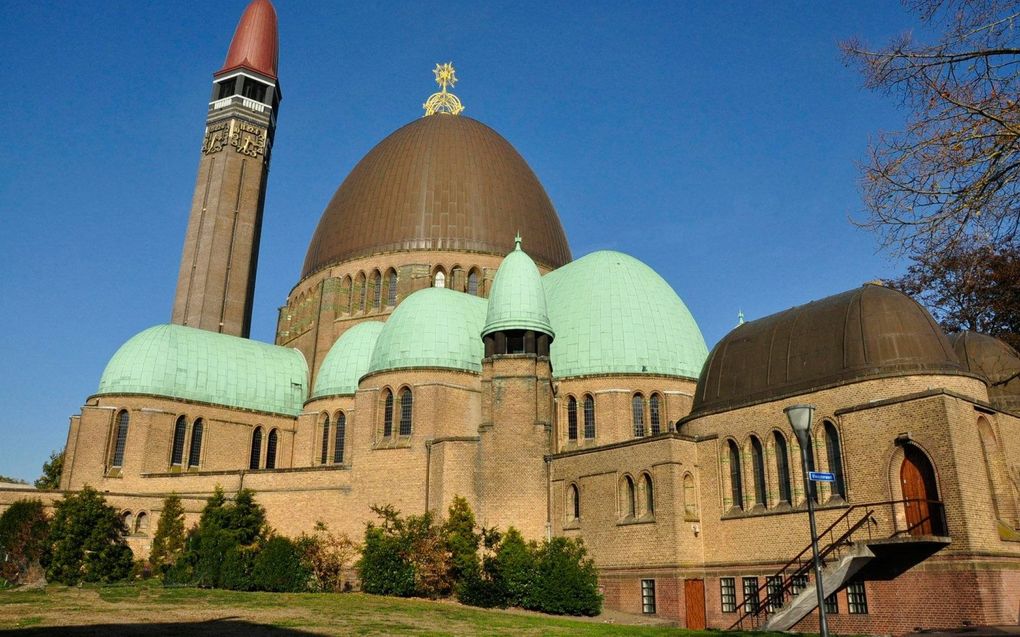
[
  {"x": 782, "y": 468},
  {"x": 750, "y": 594},
  {"x": 589, "y": 417},
  {"x": 797, "y": 585},
  {"x": 473, "y": 283},
  {"x": 835, "y": 459},
  {"x": 271, "y": 450},
  {"x": 638, "y": 411},
  {"x": 653, "y": 411},
  {"x": 857, "y": 599},
  {"x": 195, "y": 452},
  {"x": 180, "y": 431},
  {"x": 728, "y": 594},
  {"x": 338, "y": 445},
  {"x": 325, "y": 440},
  {"x": 391, "y": 289},
  {"x": 571, "y": 418},
  {"x": 736, "y": 482},
  {"x": 832, "y": 605},
  {"x": 758, "y": 467},
  {"x": 405, "y": 412},
  {"x": 440, "y": 280},
  {"x": 387, "y": 429},
  {"x": 774, "y": 593},
  {"x": 256, "y": 448},
  {"x": 121, "y": 442},
  {"x": 377, "y": 291},
  {"x": 648, "y": 596}
]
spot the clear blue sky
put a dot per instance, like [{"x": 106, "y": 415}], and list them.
[{"x": 714, "y": 141}]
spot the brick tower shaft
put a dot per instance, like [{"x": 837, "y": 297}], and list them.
[{"x": 216, "y": 284}]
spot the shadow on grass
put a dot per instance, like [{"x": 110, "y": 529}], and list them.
[{"x": 226, "y": 626}]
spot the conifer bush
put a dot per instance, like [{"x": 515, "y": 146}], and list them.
[
  {"x": 278, "y": 567},
  {"x": 168, "y": 541},
  {"x": 87, "y": 540},
  {"x": 24, "y": 541}
]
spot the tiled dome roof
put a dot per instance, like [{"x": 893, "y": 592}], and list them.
[
  {"x": 444, "y": 182},
  {"x": 517, "y": 298}
]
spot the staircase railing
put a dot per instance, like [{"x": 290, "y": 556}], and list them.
[{"x": 794, "y": 574}]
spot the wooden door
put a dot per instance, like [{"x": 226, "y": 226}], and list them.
[
  {"x": 917, "y": 477},
  {"x": 694, "y": 598}
]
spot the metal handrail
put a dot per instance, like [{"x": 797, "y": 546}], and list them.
[{"x": 803, "y": 567}]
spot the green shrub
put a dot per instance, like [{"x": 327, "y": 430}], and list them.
[
  {"x": 87, "y": 539},
  {"x": 382, "y": 567},
  {"x": 236, "y": 569},
  {"x": 24, "y": 540},
  {"x": 279, "y": 568},
  {"x": 566, "y": 582},
  {"x": 168, "y": 541},
  {"x": 462, "y": 539},
  {"x": 513, "y": 568},
  {"x": 51, "y": 471}
]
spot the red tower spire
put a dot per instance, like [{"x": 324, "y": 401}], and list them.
[{"x": 256, "y": 44}]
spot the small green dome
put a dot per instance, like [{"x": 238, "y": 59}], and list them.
[
  {"x": 614, "y": 315},
  {"x": 517, "y": 298},
  {"x": 175, "y": 361},
  {"x": 434, "y": 327},
  {"x": 347, "y": 361}
]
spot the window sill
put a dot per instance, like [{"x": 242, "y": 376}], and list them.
[
  {"x": 647, "y": 519},
  {"x": 572, "y": 525},
  {"x": 116, "y": 472},
  {"x": 783, "y": 508},
  {"x": 403, "y": 442}
]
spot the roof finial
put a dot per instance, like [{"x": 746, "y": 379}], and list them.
[
  {"x": 517, "y": 241},
  {"x": 443, "y": 102},
  {"x": 740, "y": 317}
]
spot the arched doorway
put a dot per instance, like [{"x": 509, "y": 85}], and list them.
[{"x": 917, "y": 477}]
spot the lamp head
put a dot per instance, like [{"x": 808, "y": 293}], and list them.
[{"x": 800, "y": 417}]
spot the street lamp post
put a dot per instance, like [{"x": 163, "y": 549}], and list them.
[{"x": 800, "y": 420}]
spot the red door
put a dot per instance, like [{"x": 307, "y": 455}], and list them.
[
  {"x": 694, "y": 599},
  {"x": 917, "y": 477}
]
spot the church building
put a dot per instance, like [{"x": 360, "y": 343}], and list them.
[{"x": 443, "y": 341}]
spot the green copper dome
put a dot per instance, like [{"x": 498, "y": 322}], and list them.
[
  {"x": 347, "y": 361},
  {"x": 434, "y": 327},
  {"x": 183, "y": 362},
  {"x": 614, "y": 315},
  {"x": 517, "y": 298}
]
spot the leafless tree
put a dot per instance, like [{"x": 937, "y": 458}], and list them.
[{"x": 952, "y": 175}]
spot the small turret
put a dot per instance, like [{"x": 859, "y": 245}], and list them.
[{"x": 517, "y": 321}]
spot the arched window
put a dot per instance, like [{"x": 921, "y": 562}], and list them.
[
  {"x": 405, "y": 412},
  {"x": 387, "y": 428},
  {"x": 195, "y": 452},
  {"x": 271, "y": 449},
  {"x": 574, "y": 502},
  {"x": 571, "y": 418},
  {"x": 653, "y": 412},
  {"x": 589, "y": 417},
  {"x": 177, "y": 450},
  {"x": 121, "y": 440},
  {"x": 129, "y": 522},
  {"x": 325, "y": 440},
  {"x": 782, "y": 467},
  {"x": 473, "y": 282},
  {"x": 376, "y": 290},
  {"x": 736, "y": 482},
  {"x": 338, "y": 444},
  {"x": 637, "y": 404},
  {"x": 758, "y": 469},
  {"x": 649, "y": 495},
  {"x": 835, "y": 459},
  {"x": 690, "y": 498},
  {"x": 391, "y": 288},
  {"x": 439, "y": 280},
  {"x": 346, "y": 296},
  {"x": 142, "y": 523},
  {"x": 256, "y": 448},
  {"x": 361, "y": 288},
  {"x": 628, "y": 497}
]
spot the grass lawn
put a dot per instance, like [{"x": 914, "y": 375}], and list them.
[{"x": 149, "y": 609}]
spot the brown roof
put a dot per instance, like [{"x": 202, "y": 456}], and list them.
[
  {"x": 255, "y": 45},
  {"x": 443, "y": 182},
  {"x": 994, "y": 361},
  {"x": 868, "y": 332}
]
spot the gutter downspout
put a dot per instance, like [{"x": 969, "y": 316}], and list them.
[{"x": 428, "y": 471}]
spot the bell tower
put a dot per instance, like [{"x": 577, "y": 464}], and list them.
[{"x": 216, "y": 284}]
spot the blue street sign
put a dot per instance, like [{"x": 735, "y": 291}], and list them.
[{"x": 821, "y": 476}]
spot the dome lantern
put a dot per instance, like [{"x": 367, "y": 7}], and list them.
[{"x": 517, "y": 319}]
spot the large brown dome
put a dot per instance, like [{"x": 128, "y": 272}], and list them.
[
  {"x": 869, "y": 332},
  {"x": 444, "y": 182}
]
